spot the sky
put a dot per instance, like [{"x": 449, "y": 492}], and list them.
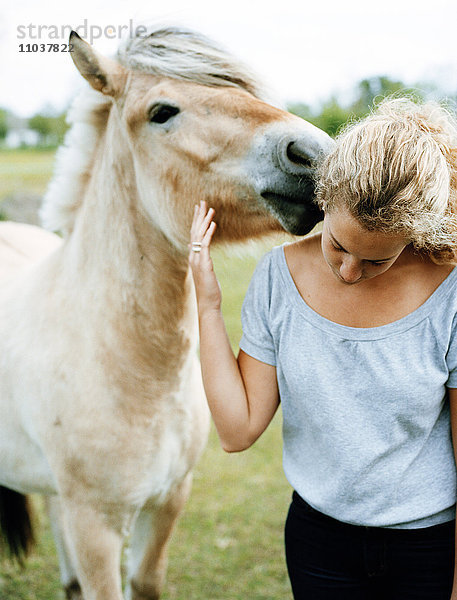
[{"x": 305, "y": 51}]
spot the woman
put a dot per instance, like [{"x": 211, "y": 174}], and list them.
[{"x": 354, "y": 330}]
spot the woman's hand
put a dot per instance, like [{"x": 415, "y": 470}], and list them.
[{"x": 206, "y": 285}]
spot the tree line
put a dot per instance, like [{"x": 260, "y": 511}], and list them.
[
  {"x": 49, "y": 126},
  {"x": 329, "y": 115},
  {"x": 332, "y": 114}
]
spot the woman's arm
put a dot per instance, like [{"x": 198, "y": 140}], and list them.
[
  {"x": 453, "y": 406},
  {"x": 242, "y": 393}
]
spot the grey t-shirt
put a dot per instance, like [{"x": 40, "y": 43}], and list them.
[{"x": 365, "y": 413}]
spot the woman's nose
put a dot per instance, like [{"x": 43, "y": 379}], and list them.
[{"x": 350, "y": 269}]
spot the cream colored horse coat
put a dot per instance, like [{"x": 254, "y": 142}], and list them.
[{"x": 101, "y": 401}]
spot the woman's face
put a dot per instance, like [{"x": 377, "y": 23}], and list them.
[{"x": 355, "y": 254}]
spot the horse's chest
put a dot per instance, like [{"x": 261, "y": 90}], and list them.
[{"x": 140, "y": 456}]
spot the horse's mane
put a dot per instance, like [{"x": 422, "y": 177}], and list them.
[
  {"x": 170, "y": 52},
  {"x": 184, "y": 54}
]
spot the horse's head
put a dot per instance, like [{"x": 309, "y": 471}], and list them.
[{"x": 198, "y": 132}]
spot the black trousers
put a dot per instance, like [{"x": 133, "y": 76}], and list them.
[{"x": 330, "y": 560}]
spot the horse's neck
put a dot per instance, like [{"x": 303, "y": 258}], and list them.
[{"x": 135, "y": 274}]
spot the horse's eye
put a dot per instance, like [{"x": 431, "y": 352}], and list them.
[{"x": 161, "y": 113}]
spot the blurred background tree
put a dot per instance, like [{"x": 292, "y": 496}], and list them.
[
  {"x": 3, "y": 124},
  {"x": 50, "y": 128},
  {"x": 332, "y": 114}
]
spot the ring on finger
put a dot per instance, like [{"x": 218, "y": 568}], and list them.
[{"x": 196, "y": 246}]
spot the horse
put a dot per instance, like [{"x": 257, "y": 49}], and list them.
[{"x": 103, "y": 408}]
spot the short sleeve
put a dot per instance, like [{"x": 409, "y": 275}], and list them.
[
  {"x": 257, "y": 340},
  {"x": 451, "y": 356}
]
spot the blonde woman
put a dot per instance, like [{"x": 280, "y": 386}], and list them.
[{"x": 354, "y": 331}]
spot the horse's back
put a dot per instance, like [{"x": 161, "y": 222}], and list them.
[
  {"x": 23, "y": 466},
  {"x": 22, "y": 244}
]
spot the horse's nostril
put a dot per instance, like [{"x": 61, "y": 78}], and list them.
[{"x": 298, "y": 155}]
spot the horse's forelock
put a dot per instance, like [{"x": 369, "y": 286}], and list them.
[{"x": 184, "y": 54}]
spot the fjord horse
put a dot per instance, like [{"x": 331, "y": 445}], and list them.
[{"x": 101, "y": 400}]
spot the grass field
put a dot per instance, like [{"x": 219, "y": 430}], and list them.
[
  {"x": 24, "y": 171},
  {"x": 228, "y": 544}
]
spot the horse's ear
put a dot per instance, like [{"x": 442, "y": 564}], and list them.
[{"x": 103, "y": 74}]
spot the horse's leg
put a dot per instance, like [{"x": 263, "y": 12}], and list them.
[
  {"x": 96, "y": 548},
  {"x": 68, "y": 575},
  {"x": 147, "y": 563}
]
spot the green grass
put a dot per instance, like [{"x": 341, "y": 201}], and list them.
[
  {"x": 229, "y": 542},
  {"x": 232, "y": 527},
  {"x": 25, "y": 171}
]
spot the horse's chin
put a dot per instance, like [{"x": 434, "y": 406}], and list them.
[{"x": 296, "y": 216}]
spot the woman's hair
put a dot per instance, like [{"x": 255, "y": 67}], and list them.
[{"x": 396, "y": 171}]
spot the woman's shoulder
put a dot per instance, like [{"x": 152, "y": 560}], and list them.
[
  {"x": 423, "y": 283},
  {"x": 306, "y": 247},
  {"x": 273, "y": 269},
  {"x": 305, "y": 253},
  {"x": 427, "y": 274}
]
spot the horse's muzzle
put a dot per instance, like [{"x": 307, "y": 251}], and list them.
[
  {"x": 282, "y": 166},
  {"x": 297, "y": 214}
]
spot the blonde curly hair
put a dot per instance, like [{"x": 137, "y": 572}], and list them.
[{"x": 396, "y": 172}]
